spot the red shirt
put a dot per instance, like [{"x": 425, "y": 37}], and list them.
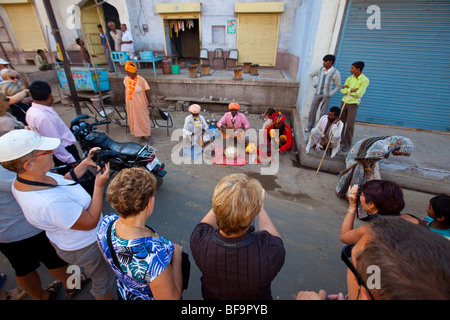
[{"x": 287, "y": 132}]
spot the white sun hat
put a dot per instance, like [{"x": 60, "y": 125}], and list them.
[{"x": 17, "y": 143}]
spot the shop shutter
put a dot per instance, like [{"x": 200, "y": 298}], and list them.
[
  {"x": 257, "y": 38},
  {"x": 406, "y": 61},
  {"x": 26, "y": 27}
]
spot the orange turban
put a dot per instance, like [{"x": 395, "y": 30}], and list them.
[
  {"x": 130, "y": 67},
  {"x": 234, "y": 106}
]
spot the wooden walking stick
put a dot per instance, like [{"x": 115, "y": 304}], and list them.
[{"x": 331, "y": 134}]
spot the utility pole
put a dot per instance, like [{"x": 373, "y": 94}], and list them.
[{"x": 60, "y": 45}]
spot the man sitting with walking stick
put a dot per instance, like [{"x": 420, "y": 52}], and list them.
[{"x": 329, "y": 127}]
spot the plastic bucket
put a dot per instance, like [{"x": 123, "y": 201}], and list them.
[{"x": 176, "y": 69}]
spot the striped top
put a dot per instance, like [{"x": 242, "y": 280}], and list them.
[{"x": 326, "y": 78}]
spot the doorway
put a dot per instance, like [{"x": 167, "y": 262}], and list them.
[
  {"x": 90, "y": 18},
  {"x": 182, "y": 39}
]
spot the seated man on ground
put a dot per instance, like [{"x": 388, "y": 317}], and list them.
[
  {"x": 281, "y": 133},
  {"x": 195, "y": 127},
  {"x": 41, "y": 61},
  {"x": 329, "y": 126},
  {"x": 234, "y": 123}
]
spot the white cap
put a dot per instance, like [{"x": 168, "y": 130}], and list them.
[
  {"x": 3, "y": 61},
  {"x": 17, "y": 143}
]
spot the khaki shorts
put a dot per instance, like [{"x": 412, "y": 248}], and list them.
[{"x": 95, "y": 267}]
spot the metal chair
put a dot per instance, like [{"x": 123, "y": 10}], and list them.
[
  {"x": 111, "y": 113},
  {"x": 232, "y": 55},
  {"x": 204, "y": 55},
  {"x": 218, "y": 54},
  {"x": 155, "y": 115}
]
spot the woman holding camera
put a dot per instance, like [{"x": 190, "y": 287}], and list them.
[
  {"x": 57, "y": 205},
  {"x": 147, "y": 266},
  {"x": 377, "y": 197}
]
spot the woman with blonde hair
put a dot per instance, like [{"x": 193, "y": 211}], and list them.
[
  {"x": 147, "y": 266},
  {"x": 236, "y": 262}
]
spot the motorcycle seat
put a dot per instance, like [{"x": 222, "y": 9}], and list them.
[
  {"x": 126, "y": 148},
  {"x": 99, "y": 139}
]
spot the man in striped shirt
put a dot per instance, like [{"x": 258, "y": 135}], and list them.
[{"x": 327, "y": 75}]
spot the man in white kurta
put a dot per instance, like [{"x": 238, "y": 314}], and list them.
[
  {"x": 195, "y": 127},
  {"x": 328, "y": 126},
  {"x": 127, "y": 43}
]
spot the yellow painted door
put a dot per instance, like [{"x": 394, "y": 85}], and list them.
[
  {"x": 257, "y": 38},
  {"x": 26, "y": 27},
  {"x": 89, "y": 20}
]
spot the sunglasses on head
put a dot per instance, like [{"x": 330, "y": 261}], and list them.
[{"x": 346, "y": 256}]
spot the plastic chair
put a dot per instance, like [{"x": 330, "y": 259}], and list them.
[
  {"x": 119, "y": 56},
  {"x": 204, "y": 54},
  {"x": 148, "y": 56},
  {"x": 218, "y": 54},
  {"x": 232, "y": 55}
]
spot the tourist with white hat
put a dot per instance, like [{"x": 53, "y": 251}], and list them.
[{"x": 59, "y": 205}]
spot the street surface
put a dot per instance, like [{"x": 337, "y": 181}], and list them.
[{"x": 301, "y": 203}]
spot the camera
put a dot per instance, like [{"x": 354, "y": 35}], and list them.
[{"x": 102, "y": 157}]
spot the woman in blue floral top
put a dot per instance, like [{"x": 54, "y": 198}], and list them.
[{"x": 147, "y": 266}]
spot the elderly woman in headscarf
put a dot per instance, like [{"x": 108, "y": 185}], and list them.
[
  {"x": 195, "y": 127},
  {"x": 280, "y": 133},
  {"x": 234, "y": 123},
  {"x": 362, "y": 160},
  {"x": 137, "y": 100}
]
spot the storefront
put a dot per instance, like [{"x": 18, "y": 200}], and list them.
[
  {"x": 258, "y": 29},
  {"x": 405, "y": 46},
  {"x": 182, "y": 29}
]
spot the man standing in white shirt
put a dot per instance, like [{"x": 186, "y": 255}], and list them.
[
  {"x": 327, "y": 75},
  {"x": 116, "y": 35},
  {"x": 43, "y": 117},
  {"x": 127, "y": 43}
]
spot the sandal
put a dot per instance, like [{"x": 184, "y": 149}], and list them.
[
  {"x": 52, "y": 289},
  {"x": 13, "y": 294},
  {"x": 72, "y": 292}
]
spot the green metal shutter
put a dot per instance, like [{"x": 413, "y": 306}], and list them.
[{"x": 407, "y": 62}]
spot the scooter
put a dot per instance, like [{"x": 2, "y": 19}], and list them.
[{"x": 120, "y": 155}]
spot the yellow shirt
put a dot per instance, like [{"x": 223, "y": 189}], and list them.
[{"x": 361, "y": 83}]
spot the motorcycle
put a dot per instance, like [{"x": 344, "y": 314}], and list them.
[{"x": 120, "y": 155}]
